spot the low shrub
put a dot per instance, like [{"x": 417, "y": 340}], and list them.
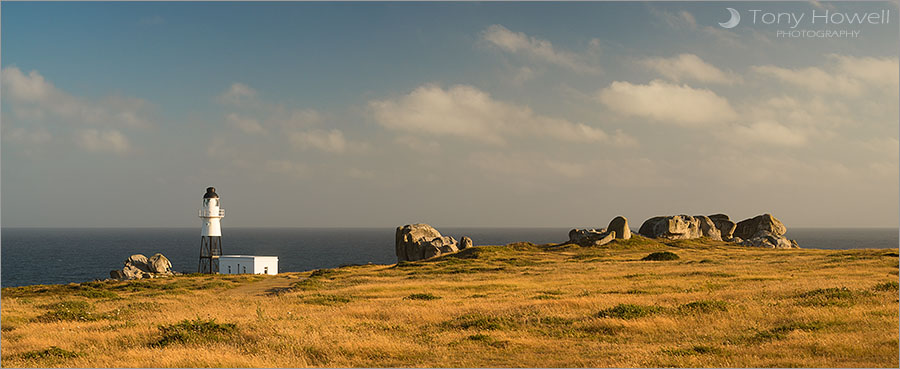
[
  {"x": 327, "y": 300},
  {"x": 99, "y": 294},
  {"x": 694, "y": 350},
  {"x": 661, "y": 256},
  {"x": 480, "y": 321},
  {"x": 488, "y": 340},
  {"x": 194, "y": 331},
  {"x": 629, "y": 311},
  {"x": 51, "y": 353},
  {"x": 828, "y": 297},
  {"x": 68, "y": 310},
  {"x": 421, "y": 296},
  {"x": 887, "y": 286}
]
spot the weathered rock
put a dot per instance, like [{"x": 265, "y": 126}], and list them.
[
  {"x": 421, "y": 241},
  {"x": 708, "y": 227},
  {"x": 138, "y": 261},
  {"x": 747, "y": 228},
  {"x": 724, "y": 225},
  {"x": 677, "y": 227},
  {"x": 137, "y": 266},
  {"x": 465, "y": 243},
  {"x": 770, "y": 240},
  {"x": 736, "y": 240},
  {"x": 619, "y": 225},
  {"x": 763, "y": 231},
  {"x": 591, "y": 237},
  {"x": 159, "y": 263}
]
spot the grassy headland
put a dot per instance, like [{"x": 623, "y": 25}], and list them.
[{"x": 517, "y": 305}]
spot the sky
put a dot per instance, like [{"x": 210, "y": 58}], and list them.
[{"x": 452, "y": 114}]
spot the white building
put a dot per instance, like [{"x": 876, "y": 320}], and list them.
[{"x": 248, "y": 264}]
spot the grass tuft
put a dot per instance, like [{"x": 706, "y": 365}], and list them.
[
  {"x": 194, "y": 331},
  {"x": 480, "y": 321},
  {"x": 327, "y": 300},
  {"x": 661, "y": 256},
  {"x": 828, "y": 297},
  {"x": 694, "y": 350},
  {"x": 421, "y": 296},
  {"x": 68, "y": 311},
  {"x": 51, "y": 353},
  {"x": 891, "y": 286},
  {"x": 629, "y": 311}
]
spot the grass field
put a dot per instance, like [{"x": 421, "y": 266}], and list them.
[{"x": 528, "y": 305}]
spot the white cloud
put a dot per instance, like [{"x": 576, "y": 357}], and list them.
[
  {"x": 844, "y": 75},
  {"x": 689, "y": 67},
  {"x": 33, "y": 97},
  {"x": 247, "y": 125},
  {"x": 669, "y": 103},
  {"x": 238, "y": 94},
  {"x": 332, "y": 141},
  {"x": 103, "y": 141},
  {"x": 542, "y": 50},
  {"x": 27, "y": 136},
  {"x": 769, "y": 132},
  {"x": 467, "y": 112}
]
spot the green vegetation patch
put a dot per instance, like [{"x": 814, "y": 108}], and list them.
[
  {"x": 99, "y": 294},
  {"x": 629, "y": 311},
  {"x": 68, "y": 311},
  {"x": 703, "y": 307},
  {"x": 487, "y": 340},
  {"x": 327, "y": 300},
  {"x": 693, "y": 350},
  {"x": 661, "y": 256},
  {"x": 781, "y": 331},
  {"x": 480, "y": 321},
  {"x": 829, "y": 297},
  {"x": 195, "y": 331},
  {"x": 421, "y": 296},
  {"x": 51, "y": 353},
  {"x": 891, "y": 286}
]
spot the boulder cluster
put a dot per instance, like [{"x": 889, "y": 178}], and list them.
[
  {"x": 760, "y": 231},
  {"x": 617, "y": 228},
  {"x": 421, "y": 241},
  {"x": 138, "y": 266}
]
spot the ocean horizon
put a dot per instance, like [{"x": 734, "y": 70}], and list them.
[{"x": 31, "y": 256}]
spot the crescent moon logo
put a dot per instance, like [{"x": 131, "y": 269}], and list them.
[{"x": 735, "y": 19}]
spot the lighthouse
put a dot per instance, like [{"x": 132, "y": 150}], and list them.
[{"x": 210, "y": 232}]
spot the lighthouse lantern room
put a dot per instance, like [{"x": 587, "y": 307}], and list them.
[{"x": 210, "y": 232}]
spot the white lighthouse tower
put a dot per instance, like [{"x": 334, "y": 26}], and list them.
[{"x": 210, "y": 232}]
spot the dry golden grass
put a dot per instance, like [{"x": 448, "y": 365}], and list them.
[{"x": 718, "y": 305}]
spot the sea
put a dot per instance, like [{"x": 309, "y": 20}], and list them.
[{"x": 31, "y": 256}]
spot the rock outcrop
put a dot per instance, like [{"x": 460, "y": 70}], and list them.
[
  {"x": 764, "y": 231},
  {"x": 760, "y": 231},
  {"x": 591, "y": 237},
  {"x": 465, "y": 243},
  {"x": 138, "y": 266},
  {"x": 726, "y": 226},
  {"x": 619, "y": 225},
  {"x": 421, "y": 241},
  {"x": 675, "y": 227}
]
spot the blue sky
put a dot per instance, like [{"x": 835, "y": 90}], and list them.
[{"x": 457, "y": 114}]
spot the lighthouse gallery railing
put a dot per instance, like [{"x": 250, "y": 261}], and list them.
[{"x": 209, "y": 214}]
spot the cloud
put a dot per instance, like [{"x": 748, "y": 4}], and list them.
[
  {"x": 844, "y": 75},
  {"x": 247, "y": 125},
  {"x": 417, "y": 144},
  {"x": 689, "y": 67},
  {"x": 238, "y": 94},
  {"x": 28, "y": 136},
  {"x": 467, "y": 112},
  {"x": 286, "y": 167},
  {"x": 684, "y": 20},
  {"x": 103, "y": 141},
  {"x": 769, "y": 132},
  {"x": 668, "y": 103},
  {"x": 33, "y": 97},
  {"x": 332, "y": 141},
  {"x": 535, "y": 48}
]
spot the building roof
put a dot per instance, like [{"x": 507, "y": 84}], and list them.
[{"x": 211, "y": 193}]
